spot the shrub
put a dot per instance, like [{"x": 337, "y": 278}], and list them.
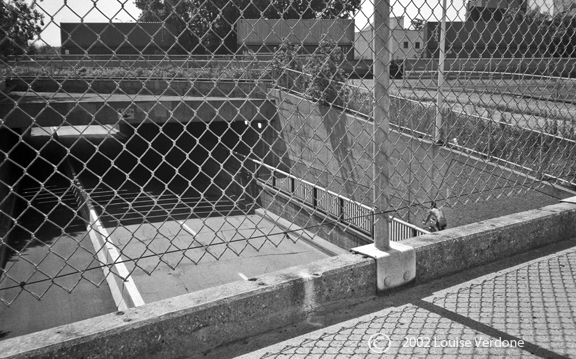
[
  {"x": 287, "y": 67},
  {"x": 324, "y": 74},
  {"x": 319, "y": 75}
]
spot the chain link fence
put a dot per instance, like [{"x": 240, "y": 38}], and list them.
[{"x": 148, "y": 136}]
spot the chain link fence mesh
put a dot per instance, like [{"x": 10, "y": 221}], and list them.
[{"x": 121, "y": 122}]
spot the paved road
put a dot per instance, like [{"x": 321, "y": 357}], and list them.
[
  {"x": 226, "y": 249},
  {"x": 526, "y": 310},
  {"x": 177, "y": 230}
]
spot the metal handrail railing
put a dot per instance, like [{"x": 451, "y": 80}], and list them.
[
  {"x": 342, "y": 209},
  {"x": 352, "y": 213},
  {"x": 400, "y": 230}
]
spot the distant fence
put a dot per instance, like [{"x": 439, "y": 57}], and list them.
[{"x": 552, "y": 66}]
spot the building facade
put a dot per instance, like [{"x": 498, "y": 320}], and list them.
[
  {"x": 494, "y": 39},
  {"x": 118, "y": 38},
  {"x": 404, "y": 43},
  {"x": 264, "y": 36}
]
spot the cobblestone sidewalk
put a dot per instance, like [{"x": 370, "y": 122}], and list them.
[{"x": 522, "y": 312}]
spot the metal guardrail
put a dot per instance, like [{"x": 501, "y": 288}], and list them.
[
  {"x": 400, "y": 230},
  {"x": 340, "y": 208},
  {"x": 489, "y": 64},
  {"x": 356, "y": 215}
]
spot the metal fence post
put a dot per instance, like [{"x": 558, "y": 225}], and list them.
[
  {"x": 381, "y": 55},
  {"x": 439, "y": 92}
]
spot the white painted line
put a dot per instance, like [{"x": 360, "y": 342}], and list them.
[
  {"x": 122, "y": 286},
  {"x": 569, "y": 200},
  {"x": 193, "y": 233},
  {"x": 125, "y": 293},
  {"x": 186, "y": 228},
  {"x": 242, "y": 276}
]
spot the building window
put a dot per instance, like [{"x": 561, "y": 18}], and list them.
[
  {"x": 405, "y": 44},
  {"x": 417, "y": 45}
]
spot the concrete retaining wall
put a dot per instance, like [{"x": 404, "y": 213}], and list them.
[
  {"x": 194, "y": 324},
  {"x": 331, "y": 147}
]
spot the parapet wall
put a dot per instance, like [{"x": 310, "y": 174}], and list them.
[{"x": 198, "y": 324}]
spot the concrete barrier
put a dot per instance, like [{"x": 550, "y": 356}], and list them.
[
  {"x": 447, "y": 252},
  {"x": 192, "y": 325}
]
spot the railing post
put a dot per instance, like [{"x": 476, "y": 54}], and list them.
[
  {"x": 314, "y": 197},
  {"x": 380, "y": 142}
]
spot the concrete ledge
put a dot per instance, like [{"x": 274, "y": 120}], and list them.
[
  {"x": 194, "y": 324},
  {"x": 453, "y": 250}
]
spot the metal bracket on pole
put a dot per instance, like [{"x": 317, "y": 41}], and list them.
[{"x": 394, "y": 267}]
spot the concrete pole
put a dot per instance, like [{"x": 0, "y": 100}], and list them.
[
  {"x": 440, "y": 93},
  {"x": 381, "y": 143}
]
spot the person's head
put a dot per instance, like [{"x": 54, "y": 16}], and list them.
[{"x": 433, "y": 204}]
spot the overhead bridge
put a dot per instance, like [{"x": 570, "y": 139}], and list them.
[{"x": 25, "y": 109}]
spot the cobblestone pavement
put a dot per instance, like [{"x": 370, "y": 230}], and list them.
[{"x": 525, "y": 311}]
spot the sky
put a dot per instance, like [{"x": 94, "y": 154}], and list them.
[{"x": 57, "y": 11}]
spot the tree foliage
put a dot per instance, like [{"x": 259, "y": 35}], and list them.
[
  {"x": 319, "y": 76},
  {"x": 560, "y": 28},
  {"x": 563, "y": 32},
  {"x": 326, "y": 79},
  {"x": 417, "y": 24},
  {"x": 176, "y": 14},
  {"x": 43, "y": 49},
  {"x": 531, "y": 15},
  {"x": 19, "y": 24},
  {"x": 212, "y": 23}
]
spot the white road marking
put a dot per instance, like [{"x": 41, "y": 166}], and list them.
[
  {"x": 124, "y": 292},
  {"x": 186, "y": 228}
]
